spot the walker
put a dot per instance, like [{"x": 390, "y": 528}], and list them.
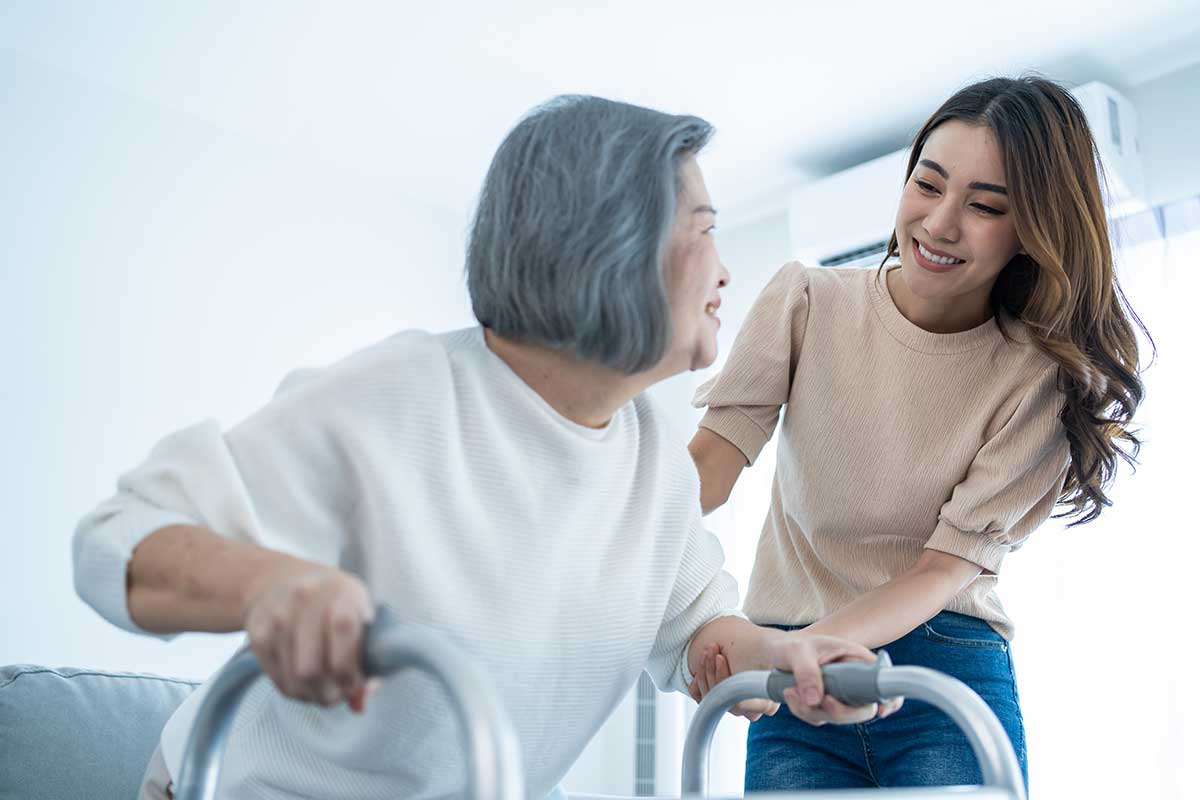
[{"x": 494, "y": 760}]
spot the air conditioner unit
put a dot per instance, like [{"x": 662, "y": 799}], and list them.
[
  {"x": 845, "y": 220},
  {"x": 1114, "y": 124}
]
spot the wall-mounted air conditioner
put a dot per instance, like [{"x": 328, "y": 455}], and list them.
[
  {"x": 845, "y": 220},
  {"x": 1114, "y": 124}
]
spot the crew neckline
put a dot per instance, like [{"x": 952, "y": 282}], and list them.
[
  {"x": 595, "y": 434},
  {"x": 917, "y": 338}
]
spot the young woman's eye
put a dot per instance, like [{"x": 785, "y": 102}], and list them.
[
  {"x": 991, "y": 212},
  {"x": 710, "y": 229},
  {"x": 925, "y": 186}
]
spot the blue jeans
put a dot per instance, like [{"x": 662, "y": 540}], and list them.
[{"x": 916, "y": 746}]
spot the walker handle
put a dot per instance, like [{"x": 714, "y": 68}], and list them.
[
  {"x": 495, "y": 767},
  {"x": 854, "y": 683}
]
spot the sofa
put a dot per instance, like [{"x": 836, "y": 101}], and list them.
[{"x": 70, "y": 733}]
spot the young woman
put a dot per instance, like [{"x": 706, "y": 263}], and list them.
[
  {"x": 509, "y": 484},
  {"x": 938, "y": 411}
]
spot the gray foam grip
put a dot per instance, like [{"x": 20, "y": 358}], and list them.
[
  {"x": 385, "y": 619},
  {"x": 852, "y": 682}
]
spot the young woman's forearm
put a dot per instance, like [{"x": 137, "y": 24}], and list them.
[
  {"x": 885, "y": 614},
  {"x": 187, "y": 578}
]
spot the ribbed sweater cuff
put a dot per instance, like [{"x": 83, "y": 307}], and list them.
[
  {"x": 978, "y": 548},
  {"x": 730, "y": 422},
  {"x": 102, "y": 551}
]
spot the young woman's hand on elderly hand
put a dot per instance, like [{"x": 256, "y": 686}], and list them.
[{"x": 803, "y": 654}]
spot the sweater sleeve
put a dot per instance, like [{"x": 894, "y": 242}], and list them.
[
  {"x": 743, "y": 400},
  {"x": 278, "y": 480},
  {"x": 1013, "y": 483},
  {"x": 702, "y": 592}
]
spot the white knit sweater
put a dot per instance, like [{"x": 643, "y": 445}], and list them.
[{"x": 566, "y": 559}]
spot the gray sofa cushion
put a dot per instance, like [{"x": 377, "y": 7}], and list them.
[{"x": 78, "y": 733}]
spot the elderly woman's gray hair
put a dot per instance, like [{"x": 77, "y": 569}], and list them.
[{"x": 568, "y": 243}]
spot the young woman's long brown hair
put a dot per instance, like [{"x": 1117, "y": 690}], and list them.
[{"x": 1062, "y": 286}]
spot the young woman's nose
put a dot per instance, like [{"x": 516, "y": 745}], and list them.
[{"x": 942, "y": 223}]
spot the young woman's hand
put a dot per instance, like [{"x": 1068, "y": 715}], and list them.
[{"x": 305, "y": 624}]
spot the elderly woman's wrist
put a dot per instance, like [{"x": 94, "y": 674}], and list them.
[{"x": 267, "y": 569}]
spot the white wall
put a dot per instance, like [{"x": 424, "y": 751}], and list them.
[
  {"x": 1168, "y": 121},
  {"x": 154, "y": 271}
]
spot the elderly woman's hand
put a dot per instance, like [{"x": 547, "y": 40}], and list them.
[
  {"x": 306, "y": 624},
  {"x": 797, "y": 652},
  {"x": 714, "y": 668}
]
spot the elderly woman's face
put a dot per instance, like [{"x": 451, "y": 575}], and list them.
[{"x": 694, "y": 276}]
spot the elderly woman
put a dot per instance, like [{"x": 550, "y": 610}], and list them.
[{"x": 509, "y": 484}]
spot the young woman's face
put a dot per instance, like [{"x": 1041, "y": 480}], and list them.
[
  {"x": 953, "y": 225},
  {"x": 694, "y": 276}
]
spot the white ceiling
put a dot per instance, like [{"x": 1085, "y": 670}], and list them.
[{"x": 420, "y": 94}]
